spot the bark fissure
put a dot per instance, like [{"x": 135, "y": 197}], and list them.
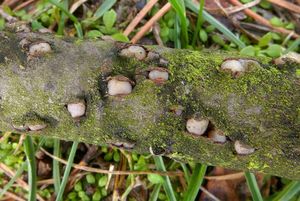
[{"x": 257, "y": 105}]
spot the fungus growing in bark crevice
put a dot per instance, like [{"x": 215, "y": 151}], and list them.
[
  {"x": 135, "y": 51},
  {"x": 39, "y": 48},
  {"x": 291, "y": 56},
  {"x": 119, "y": 85},
  {"x": 76, "y": 109},
  {"x": 243, "y": 149},
  {"x": 37, "y": 127},
  {"x": 197, "y": 126},
  {"x": 217, "y": 136},
  {"x": 125, "y": 145},
  {"x": 158, "y": 75},
  {"x": 237, "y": 67}
]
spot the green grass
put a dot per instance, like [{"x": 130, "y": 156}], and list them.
[
  {"x": 56, "y": 166},
  {"x": 105, "y": 6},
  {"x": 195, "y": 182},
  {"x": 67, "y": 172},
  {"x": 31, "y": 166},
  {"x": 159, "y": 163},
  {"x": 288, "y": 192},
  {"x": 77, "y": 24},
  {"x": 253, "y": 187},
  {"x": 199, "y": 23},
  {"x": 210, "y": 19},
  {"x": 179, "y": 7}
]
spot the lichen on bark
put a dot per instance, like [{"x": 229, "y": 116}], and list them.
[{"x": 259, "y": 107}]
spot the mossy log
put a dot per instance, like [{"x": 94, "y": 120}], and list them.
[{"x": 259, "y": 107}]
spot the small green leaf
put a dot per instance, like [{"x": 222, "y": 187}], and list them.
[
  {"x": 155, "y": 178},
  {"x": 102, "y": 181},
  {"x": 218, "y": 39},
  {"x": 290, "y": 26},
  {"x": 109, "y": 19},
  {"x": 96, "y": 196},
  {"x": 265, "y": 4},
  {"x": 116, "y": 156},
  {"x": 164, "y": 32},
  {"x": 203, "y": 35},
  {"x": 248, "y": 51},
  {"x": 120, "y": 37},
  {"x": 265, "y": 40},
  {"x": 94, "y": 34},
  {"x": 277, "y": 22},
  {"x": 210, "y": 28},
  {"x": 90, "y": 179},
  {"x": 298, "y": 73},
  {"x": 72, "y": 195},
  {"x": 35, "y": 25},
  {"x": 276, "y": 36},
  {"x": 78, "y": 186},
  {"x": 2, "y": 24},
  {"x": 274, "y": 50}
]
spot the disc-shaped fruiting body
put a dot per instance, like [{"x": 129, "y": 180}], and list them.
[
  {"x": 76, "y": 109},
  {"x": 242, "y": 148},
  {"x": 237, "y": 67},
  {"x": 39, "y": 48},
  {"x": 197, "y": 126},
  {"x": 119, "y": 85},
  {"x": 217, "y": 136},
  {"x": 158, "y": 75},
  {"x": 134, "y": 51}
]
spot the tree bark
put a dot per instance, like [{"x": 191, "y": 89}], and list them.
[{"x": 259, "y": 108}]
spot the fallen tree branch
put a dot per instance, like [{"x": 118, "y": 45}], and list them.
[{"x": 211, "y": 107}]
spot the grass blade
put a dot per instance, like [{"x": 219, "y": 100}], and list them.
[
  {"x": 195, "y": 182},
  {"x": 179, "y": 7},
  {"x": 293, "y": 46},
  {"x": 288, "y": 192},
  {"x": 13, "y": 179},
  {"x": 159, "y": 163},
  {"x": 199, "y": 22},
  {"x": 19, "y": 171},
  {"x": 67, "y": 171},
  {"x": 253, "y": 187},
  {"x": 31, "y": 164},
  {"x": 71, "y": 16},
  {"x": 177, "y": 42},
  {"x": 155, "y": 192},
  {"x": 56, "y": 166},
  {"x": 105, "y": 6},
  {"x": 209, "y": 18},
  {"x": 61, "y": 24}
]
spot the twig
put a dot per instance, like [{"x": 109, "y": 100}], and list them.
[
  {"x": 156, "y": 31},
  {"x": 226, "y": 177},
  {"x": 90, "y": 169},
  {"x": 287, "y": 5},
  {"x": 263, "y": 21},
  {"x": 20, "y": 182},
  {"x": 23, "y": 5},
  {"x": 150, "y": 23},
  {"x": 242, "y": 7},
  {"x": 209, "y": 194},
  {"x": 76, "y": 5},
  {"x": 139, "y": 17},
  {"x": 21, "y": 140},
  {"x": 12, "y": 196}
]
